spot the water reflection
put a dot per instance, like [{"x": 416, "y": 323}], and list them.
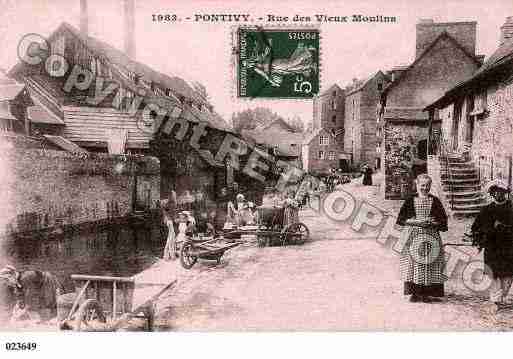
[{"x": 115, "y": 251}]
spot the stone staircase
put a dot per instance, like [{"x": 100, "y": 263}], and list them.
[{"x": 460, "y": 184}]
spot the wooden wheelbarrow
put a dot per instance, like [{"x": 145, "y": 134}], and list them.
[{"x": 104, "y": 303}]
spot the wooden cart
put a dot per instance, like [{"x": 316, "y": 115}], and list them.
[
  {"x": 105, "y": 303},
  {"x": 207, "y": 249},
  {"x": 273, "y": 228}
]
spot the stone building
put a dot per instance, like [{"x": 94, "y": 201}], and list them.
[
  {"x": 321, "y": 152},
  {"x": 327, "y": 127},
  {"x": 361, "y": 102},
  {"x": 445, "y": 55},
  {"x": 278, "y": 136},
  {"x": 477, "y": 119},
  {"x": 329, "y": 108},
  {"x": 124, "y": 120}
]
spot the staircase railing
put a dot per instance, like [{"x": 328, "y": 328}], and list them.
[{"x": 443, "y": 151}]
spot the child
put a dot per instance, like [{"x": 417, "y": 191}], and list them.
[
  {"x": 185, "y": 228},
  {"x": 204, "y": 225}
]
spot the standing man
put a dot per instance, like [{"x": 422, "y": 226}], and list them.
[{"x": 494, "y": 225}]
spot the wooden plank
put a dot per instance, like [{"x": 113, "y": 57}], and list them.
[
  {"x": 101, "y": 278},
  {"x": 77, "y": 299}
]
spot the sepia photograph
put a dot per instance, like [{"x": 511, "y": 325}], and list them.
[{"x": 231, "y": 166}]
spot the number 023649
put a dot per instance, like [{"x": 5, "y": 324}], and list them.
[{"x": 17, "y": 346}]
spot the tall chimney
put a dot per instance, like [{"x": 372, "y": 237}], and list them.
[
  {"x": 507, "y": 30},
  {"x": 84, "y": 21},
  {"x": 129, "y": 29}
]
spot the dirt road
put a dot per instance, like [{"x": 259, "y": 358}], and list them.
[{"x": 339, "y": 281}]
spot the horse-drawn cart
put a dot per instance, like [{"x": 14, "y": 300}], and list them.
[
  {"x": 276, "y": 225},
  {"x": 104, "y": 303}
]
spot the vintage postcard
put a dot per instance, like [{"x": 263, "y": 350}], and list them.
[
  {"x": 255, "y": 166},
  {"x": 281, "y": 63}
]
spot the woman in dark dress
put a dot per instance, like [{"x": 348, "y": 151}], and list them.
[
  {"x": 422, "y": 259},
  {"x": 367, "y": 176},
  {"x": 222, "y": 209}
]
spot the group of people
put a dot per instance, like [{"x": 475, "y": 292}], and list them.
[
  {"x": 230, "y": 210},
  {"x": 422, "y": 260}
]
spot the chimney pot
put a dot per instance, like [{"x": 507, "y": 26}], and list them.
[
  {"x": 129, "y": 28},
  {"x": 84, "y": 20},
  {"x": 506, "y": 30}
]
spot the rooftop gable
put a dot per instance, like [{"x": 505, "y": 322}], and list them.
[
  {"x": 361, "y": 86},
  {"x": 443, "y": 35},
  {"x": 502, "y": 56},
  {"x": 330, "y": 90}
]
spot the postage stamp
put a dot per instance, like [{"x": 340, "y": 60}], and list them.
[{"x": 277, "y": 63}]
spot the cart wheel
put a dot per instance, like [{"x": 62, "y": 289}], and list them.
[
  {"x": 186, "y": 257},
  {"x": 87, "y": 312},
  {"x": 297, "y": 233}
]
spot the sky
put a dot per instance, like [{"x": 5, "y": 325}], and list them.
[{"x": 199, "y": 51}]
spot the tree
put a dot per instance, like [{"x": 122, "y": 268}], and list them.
[{"x": 260, "y": 116}]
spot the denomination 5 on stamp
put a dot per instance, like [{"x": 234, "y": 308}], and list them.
[{"x": 277, "y": 63}]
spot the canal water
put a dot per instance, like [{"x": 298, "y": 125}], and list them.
[{"x": 116, "y": 251}]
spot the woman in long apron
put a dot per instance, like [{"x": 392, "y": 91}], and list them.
[
  {"x": 170, "y": 248},
  {"x": 422, "y": 259}
]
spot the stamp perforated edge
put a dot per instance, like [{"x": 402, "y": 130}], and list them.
[{"x": 233, "y": 80}]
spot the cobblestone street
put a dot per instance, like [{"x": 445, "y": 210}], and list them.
[{"x": 338, "y": 281}]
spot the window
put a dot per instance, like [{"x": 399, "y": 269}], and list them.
[
  {"x": 334, "y": 104},
  {"x": 324, "y": 140},
  {"x": 331, "y": 155},
  {"x": 380, "y": 86},
  {"x": 334, "y": 119},
  {"x": 322, "y": 155}
]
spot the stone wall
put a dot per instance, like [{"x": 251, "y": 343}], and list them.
[
  {"x": 46, "y": 188},
  {"x": 401, "y": 141},
  {"x": 493, "y": 135},
  {"x": 492, "y": 141},
  {"x": 317, "y": 165}
]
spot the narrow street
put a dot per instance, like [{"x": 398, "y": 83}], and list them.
[{"x": 330, "y": 283}]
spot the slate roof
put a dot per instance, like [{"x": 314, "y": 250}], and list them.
[
  {"x": 270, "y": 138},
  {"x": 9, "y": 92},
  {"x": 5, "y": 113},
  {"x": 444, "y": 34},
  {"x": 331, "y": 89},
  {"x": 38, "y": 114},
  {"x": 502, "y": 56},
  {"x": 405, "y": 113},
  {"x": 362, "y": 84},
  {"x": 4, "y": 79},
  {"x": 118, "y": 58},
  {"x": 65, "y": 144}
]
